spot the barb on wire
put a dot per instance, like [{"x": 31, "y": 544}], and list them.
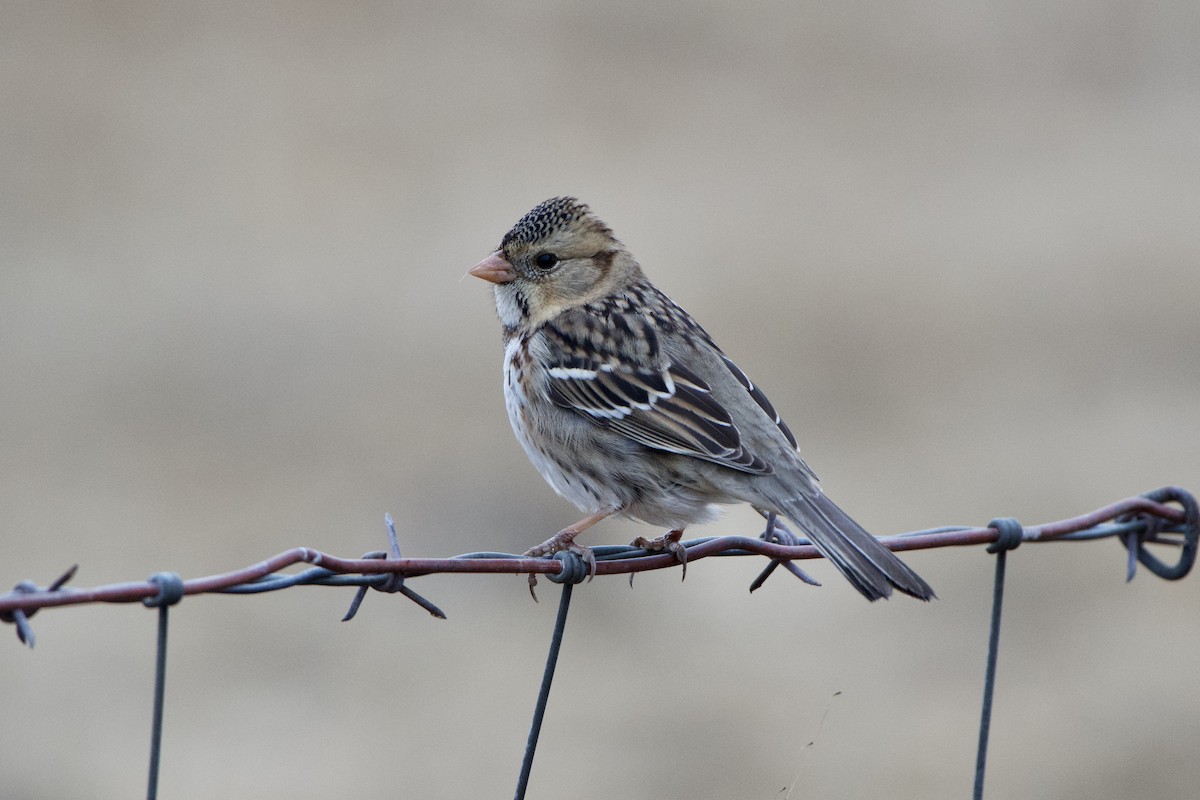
[
  {"x": 1166, "y": 516},
  {"x": 19, "y": 616},
  {"x": 389, "y": 582}
]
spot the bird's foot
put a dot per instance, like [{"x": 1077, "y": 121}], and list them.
[
  {"x": 777, "y": 531},
  {"x": 563, "y": 541},
  {"x": 668, "y": 542}
]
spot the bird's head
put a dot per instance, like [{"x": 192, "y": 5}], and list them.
[{"x": 558, "y": 256}]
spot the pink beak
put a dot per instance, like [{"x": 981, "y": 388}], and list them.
[{"x": 494, "y": 269}]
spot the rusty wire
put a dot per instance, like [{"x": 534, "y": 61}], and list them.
[
  {"x": 1167, "y": 516},
  {"x": 1164, "y": 516}
]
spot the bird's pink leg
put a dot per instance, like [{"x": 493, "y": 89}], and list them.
[{"x": 564, "y": 540}]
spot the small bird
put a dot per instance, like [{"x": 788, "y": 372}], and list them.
[{"x": 627, "y": 406}]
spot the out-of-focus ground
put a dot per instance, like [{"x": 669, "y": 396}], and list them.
[{"x": 958, "y": 244}]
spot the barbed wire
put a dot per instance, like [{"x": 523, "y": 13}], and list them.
[{"x": 1166, "y": 516}]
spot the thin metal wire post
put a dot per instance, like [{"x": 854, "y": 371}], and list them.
[
  {"x": 539, "y": 711},
  {"x": 1011, "y": 534},
  {"x": 160, "y": 682},
  {"x": 170, "y": 591}
]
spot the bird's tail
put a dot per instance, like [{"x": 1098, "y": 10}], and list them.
[{"x": 871, "y": 567}]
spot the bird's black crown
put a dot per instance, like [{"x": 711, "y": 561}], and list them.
[{"x": 548, "y": 216}]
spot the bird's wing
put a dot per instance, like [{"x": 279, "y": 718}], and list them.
[
  {"x": 760, "y": 398},
  {"x": 623, "y": 382}
]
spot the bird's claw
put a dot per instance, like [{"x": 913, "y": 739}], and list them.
[
  {"x": 563, "y": 541},
  {"x": 668, "y": 542},
  {"x": 777, "y": 531}
]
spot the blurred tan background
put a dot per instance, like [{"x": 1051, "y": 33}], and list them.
[{"x": 957, "y": 243}]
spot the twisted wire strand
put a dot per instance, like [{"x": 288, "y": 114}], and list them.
[{"x": 1164, "y": 516}]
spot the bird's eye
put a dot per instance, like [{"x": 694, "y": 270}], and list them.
[{"x": 546, "y": 261}]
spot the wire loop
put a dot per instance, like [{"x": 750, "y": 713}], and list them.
[
  {"x": 1156, "y": 526},
  {"x": 1010, "y": 534},
  {"x": 574, "y": 568},
  {"x": 170, "y": 590}
]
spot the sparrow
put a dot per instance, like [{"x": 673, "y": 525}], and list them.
[{"x": 628, "y": 407}]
